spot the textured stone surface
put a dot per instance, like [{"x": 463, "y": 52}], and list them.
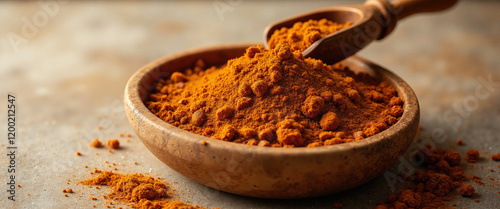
[{"x": 68, "y": 76}]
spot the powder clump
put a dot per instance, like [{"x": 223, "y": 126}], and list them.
[
  {"x": 139, "y": 190},
  {"x": 114, "y": 143},
  {"x": 467, "y": 190},
  {"x": 472, "y": 155},
  {"x": 96, "y": 143},
  {"x": 495, "y": 157}
]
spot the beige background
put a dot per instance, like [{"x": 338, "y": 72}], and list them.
[{"x": 69, "y": 73}]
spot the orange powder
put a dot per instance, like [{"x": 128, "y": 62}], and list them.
[
  {"x": 114, "y": 143},
  {"x": 96, "y": 143},
  {"x": 303, "y": 34},
  {"x": 276, "y": 98},
  {"x": 467, "y": 190},
  {"x": 472, "y": 155},
  {"x": 495, "y": 157},
  {"x": 139, "y": 190},
  {"x": 433, "y": 187}
]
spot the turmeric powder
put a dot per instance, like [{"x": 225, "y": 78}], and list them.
[
  {"x": 114, "y": 143},
  {"x": 472, "y": 155},
  {"x": 96, "y": 143},
  {"x": 277, "y": 98},
  {"x": 302, "y": 34},
  {"x": 435, "y": 185},
  {"x": 139, "y": 190}
]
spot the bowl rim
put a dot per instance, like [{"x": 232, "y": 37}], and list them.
[{"x": 133, "y": 100}]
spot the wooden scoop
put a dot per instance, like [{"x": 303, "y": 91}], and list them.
[{"x": 373, "y": 20}]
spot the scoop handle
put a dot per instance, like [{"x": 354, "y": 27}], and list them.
[{"x": 405, "y": 8}]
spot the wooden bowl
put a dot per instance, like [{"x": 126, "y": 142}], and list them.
[{"x": 263, "y": 171}]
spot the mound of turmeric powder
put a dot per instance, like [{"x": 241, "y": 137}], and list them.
[
  {"x": 139, "y": 190},
  {"x": 276, "y": 97}
]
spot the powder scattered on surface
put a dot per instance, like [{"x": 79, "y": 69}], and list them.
[
  {"x": 138, "y": 190},
  {"x": 96, "y": 143},
  {"x": 478, "y": 180},
  {"x": 113, "y": 143},
  {"x": 472, "y": 156},
  {"x": 433, "y": 187}
]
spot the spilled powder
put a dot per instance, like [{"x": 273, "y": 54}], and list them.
[
  {"x": 138, "y": 190},
  {"x": 434, "y": 186}
]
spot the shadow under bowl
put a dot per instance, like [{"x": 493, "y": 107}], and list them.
[{"x": 266, "y": 172}]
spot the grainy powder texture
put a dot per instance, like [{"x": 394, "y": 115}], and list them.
[
  {"x": 302, "y": 34},
  {"x": 140, "y": 191},
  {"x": 434, "y": 186},
  {"x": 276, "y": 97}
]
